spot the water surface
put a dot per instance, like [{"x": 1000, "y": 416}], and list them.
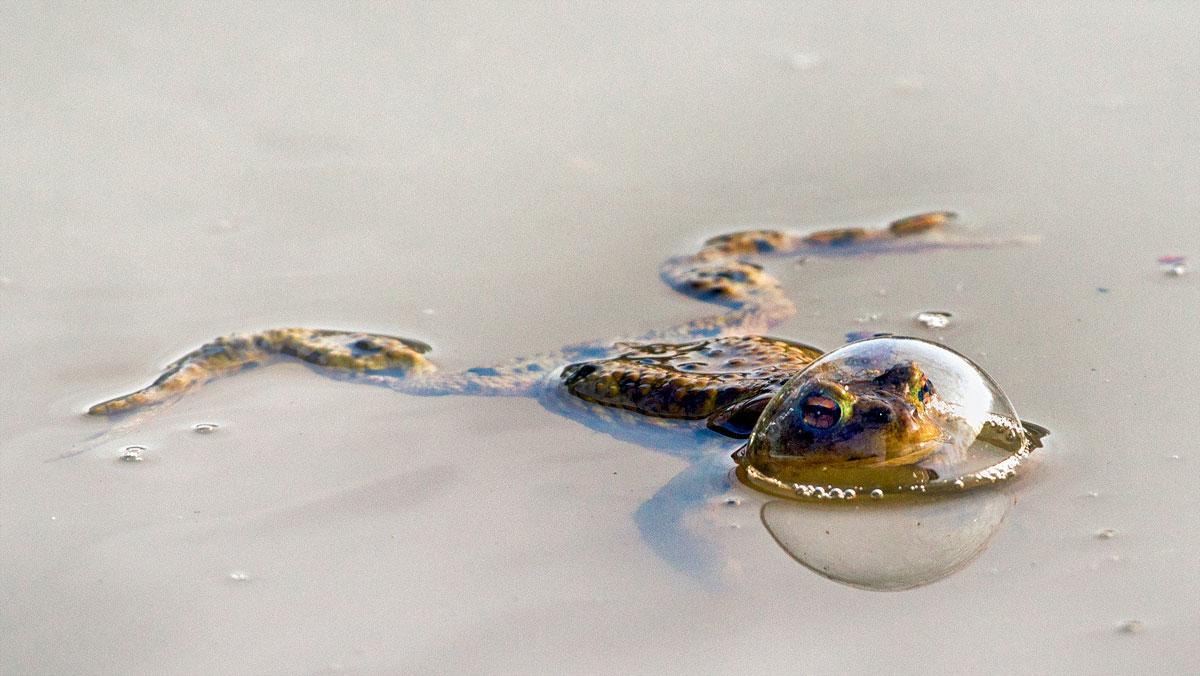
[{"x": 503, "y": 181}]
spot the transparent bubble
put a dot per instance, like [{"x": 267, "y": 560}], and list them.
[
  {"x": 132, "y": 454},
  {"x": 892, "y": 546},
  {"x": 885, "y": 416},
  {"x": 934, "y": 320}
]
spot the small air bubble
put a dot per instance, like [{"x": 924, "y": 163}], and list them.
[
  {"x": 1106, "y": 534},
  {"x": 877, "y": 493},
  {"x": 239, "y": 576},
  {"x": 1173, "y": 265},
  {"x": 132, "y": 453},
  {"x": 959, "y": 483},
  {"x": 427, "y": 311},
  {"x": 205, "y": 428},
  {"x": 1131, "y": 627},
  {"x": 802, "y": 61},
  {"x": 934, "y": 319}
]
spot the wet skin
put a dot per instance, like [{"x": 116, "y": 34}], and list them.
[{"x": 719, "y": 368}]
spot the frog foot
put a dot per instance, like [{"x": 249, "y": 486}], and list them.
[{"x": 350, "y": 352}]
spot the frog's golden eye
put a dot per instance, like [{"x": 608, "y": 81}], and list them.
[{"x": 820, "y": 412}]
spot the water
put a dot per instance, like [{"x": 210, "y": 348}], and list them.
[{"x": 175, "y": 174}]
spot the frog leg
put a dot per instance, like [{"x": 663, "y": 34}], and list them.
[
  {"x": 389, "y": 361},
  {"x": 345, "y": 351},
  {"x": 722, "y": 271}
]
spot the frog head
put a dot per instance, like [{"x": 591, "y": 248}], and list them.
[{"x": 866, "y": 418}]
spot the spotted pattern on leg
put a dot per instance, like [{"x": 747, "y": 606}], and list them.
[{"x": 342, "y": 350}]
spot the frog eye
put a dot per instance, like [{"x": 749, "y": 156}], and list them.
[
  {"x": 925, "y": 391},
  {"x": 820, "y": 412}
]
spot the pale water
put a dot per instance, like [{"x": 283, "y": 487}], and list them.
[{"x": 506, "y": 180}]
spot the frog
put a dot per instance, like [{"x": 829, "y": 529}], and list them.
[
  {"x": 722, "y": 369},
  {"x": 718, "y": 377}
]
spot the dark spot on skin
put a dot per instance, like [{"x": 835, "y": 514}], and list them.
[
  {"x": 900, "y": 374},
  {"x": 534, "y": 368},
  {"x": 577, "y": 372},
  {"x": 212, "y": 349},
  {"x": 484, "y": 371},
  {"x": 694, "y": 401},
  {"x": 365, "y": 345}
]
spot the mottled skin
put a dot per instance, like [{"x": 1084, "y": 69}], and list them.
[{"x": 722, "y": 371}]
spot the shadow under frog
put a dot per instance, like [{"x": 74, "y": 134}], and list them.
[{"x": 682, "y": 390}]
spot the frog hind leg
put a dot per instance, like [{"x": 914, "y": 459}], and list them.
[
  {"x": 723, "y": 271},
  {"x": 342, "y": 351}
]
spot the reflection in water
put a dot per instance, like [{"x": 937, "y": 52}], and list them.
[{"x": 889, "y": 547}]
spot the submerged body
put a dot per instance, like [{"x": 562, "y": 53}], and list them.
[{"x": 719, "y": 368}]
